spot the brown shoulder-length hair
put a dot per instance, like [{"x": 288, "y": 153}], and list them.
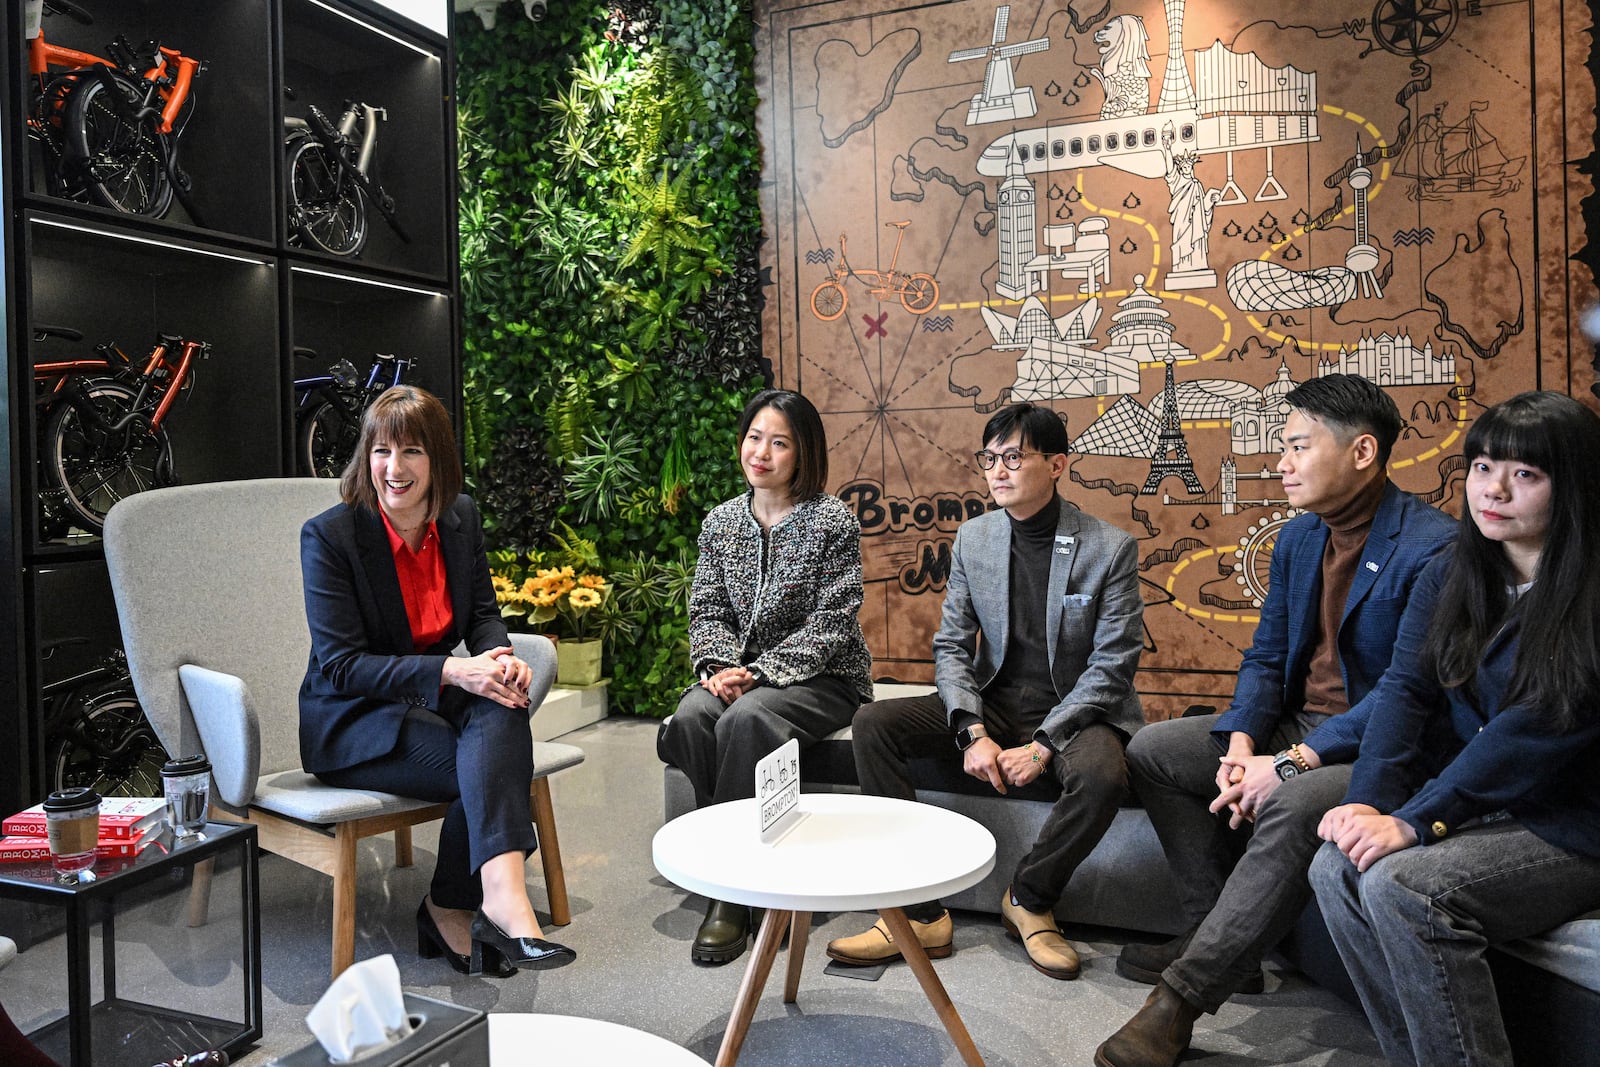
[
  {"x": 805, "y": 429},
  {"x": 405, "y": 415}
]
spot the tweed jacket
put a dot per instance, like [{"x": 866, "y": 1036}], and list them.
[
  {"x": 784, "y": 602},
  {"x": 1406, "y": 534},
  {"x": 1095, "y": 625},
  {"x": 364, "y": 672},
  {"x": 1436, "y": 758}
]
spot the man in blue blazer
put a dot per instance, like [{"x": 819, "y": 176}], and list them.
[
  {"x": 1034, "y": 660},
  {"x": 1259, "y": 777}
]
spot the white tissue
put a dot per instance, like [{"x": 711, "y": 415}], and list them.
[{"x": 361, "y": 1012}]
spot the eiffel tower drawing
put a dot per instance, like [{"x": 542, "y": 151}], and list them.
[{"x": 1172, "y": 451}]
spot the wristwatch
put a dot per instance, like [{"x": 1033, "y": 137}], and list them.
[
  {"x": 1284, "y": 765},
  {"x": 969, "y": 734}
]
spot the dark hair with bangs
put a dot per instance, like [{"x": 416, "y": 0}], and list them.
[
  {"x": 405, "y": 415},
  {"x": 805, "y": 432},
  {"x": 1037, "y": 428},
  {"x": 1350, "y": 405},
  {"x": 1557, "y": 668}
]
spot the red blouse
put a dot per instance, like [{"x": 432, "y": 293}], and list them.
[{"x": 423, "y": 585}]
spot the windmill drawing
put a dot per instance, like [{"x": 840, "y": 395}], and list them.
[{"x": 1000, "y": 100}]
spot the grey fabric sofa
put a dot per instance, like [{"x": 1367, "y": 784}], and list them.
[{"x": 1549, "y": 985}]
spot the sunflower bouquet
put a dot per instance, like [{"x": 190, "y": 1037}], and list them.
[{"x": 557, "y": 595}]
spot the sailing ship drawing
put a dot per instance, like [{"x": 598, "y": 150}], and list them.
[{"x": 1443, "y": 159}]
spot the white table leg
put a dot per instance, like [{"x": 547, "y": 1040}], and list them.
[
  {"x": 799, "y": 928},
  {"x": 911, "y": 949},
  {"x": 755, "y": 979}
]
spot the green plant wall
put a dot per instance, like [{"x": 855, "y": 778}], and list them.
[{"x": 611, "y": 296}]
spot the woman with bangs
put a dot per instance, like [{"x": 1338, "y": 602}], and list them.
[
  {"x": 395, "y": 579},
  {"x": 1473, "y": 815}
]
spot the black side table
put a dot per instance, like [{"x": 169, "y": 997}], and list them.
[{"x": 189, "y": 915}]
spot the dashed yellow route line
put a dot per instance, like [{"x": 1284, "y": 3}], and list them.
[{"x": 1201, "y": 613}]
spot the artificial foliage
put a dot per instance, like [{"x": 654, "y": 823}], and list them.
[{"x": 609, "y": 221}]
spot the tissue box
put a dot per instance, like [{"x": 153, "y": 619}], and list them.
[{"x": 446, "y": 1035}]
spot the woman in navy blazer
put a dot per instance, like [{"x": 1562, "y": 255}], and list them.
[
  {"x": 1473, "y": 815},
  {"x": 395, "y": 578}
]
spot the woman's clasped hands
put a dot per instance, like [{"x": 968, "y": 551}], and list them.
[
  {"x": 730, "y": 683},
  {"x": 496, "y": 673}
]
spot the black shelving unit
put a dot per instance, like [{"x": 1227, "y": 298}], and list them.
[{"x": 222, "y": 268}]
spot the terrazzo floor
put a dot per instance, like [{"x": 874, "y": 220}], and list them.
[{"x": 632, "y": 930}]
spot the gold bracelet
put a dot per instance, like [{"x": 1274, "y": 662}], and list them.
[
  {"x": 1034, "y": 749},
  {"x": 1299, "y": 759}
]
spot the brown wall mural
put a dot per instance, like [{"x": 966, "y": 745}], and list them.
[{"x": 1157, "y": 217}]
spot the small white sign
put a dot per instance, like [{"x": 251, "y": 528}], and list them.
[{"x": 778, "y": 790}]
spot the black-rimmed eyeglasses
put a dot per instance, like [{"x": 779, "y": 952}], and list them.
[{"x": 1011, "y": 457}]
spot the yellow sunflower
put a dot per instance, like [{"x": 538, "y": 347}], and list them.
[{"x": 584, "y": 598}]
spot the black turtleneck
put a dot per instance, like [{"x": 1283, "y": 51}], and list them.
[{"x": 1027, "y": 659}]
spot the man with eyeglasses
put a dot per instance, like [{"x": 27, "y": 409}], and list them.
[
  {"x": 1341, "y": 575},
  {"x": 1034, "y": 662}
]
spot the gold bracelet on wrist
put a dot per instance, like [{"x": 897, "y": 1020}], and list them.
[
  {"x": 1033, "y": 749},
  {"x": 1299, "y": 757}
]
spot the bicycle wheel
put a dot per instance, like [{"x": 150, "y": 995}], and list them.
[
  {"x": 108, "y": 745},
  {"x": 118, "y": 162},
  {"x": 96, "y": 467},
  {"x": 327, "y": 441},
  {"x": 828, "y": 301},
  {"x": 920, "y": 294},
  {"x": 326, "y": 210}
]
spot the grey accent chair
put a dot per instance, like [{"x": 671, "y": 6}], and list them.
[{"x": 208, "y": 589}]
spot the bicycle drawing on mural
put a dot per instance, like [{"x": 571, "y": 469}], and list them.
[{"x": 918, "y": 292}]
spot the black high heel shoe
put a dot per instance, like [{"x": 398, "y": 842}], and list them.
[
  {"x": 431, "y": 945},
  {"x": 534, "y": 953}
]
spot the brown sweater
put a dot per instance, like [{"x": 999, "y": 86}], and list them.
[{"x": 1348, "y": 526}]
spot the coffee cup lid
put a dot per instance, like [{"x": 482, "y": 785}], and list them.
[
  {"x": 186, "y": 765},
  {"x": 77, "y": 798}
]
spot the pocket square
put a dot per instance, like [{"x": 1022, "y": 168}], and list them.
[{"x": 1077, "y": 600}]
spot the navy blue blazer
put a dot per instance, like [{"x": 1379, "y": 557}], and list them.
[
  {"x": 364, "y": 672},
  {"x": 1437, "y": 757},
  {"x": 1406, "y": 533}
]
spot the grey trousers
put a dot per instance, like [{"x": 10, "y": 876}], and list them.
[
  {"x": 717, "y": 745},
  {"x": 1241, "y": 907},
  {"x": 1413, "y": 929},
  {"x": 1093, "y": 774}
]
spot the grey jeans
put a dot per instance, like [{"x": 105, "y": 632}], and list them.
[
  {"x": 717, "y": 745},
  {"x": 1241, "y": 907},
  {"x": 1413, "y": 929}
]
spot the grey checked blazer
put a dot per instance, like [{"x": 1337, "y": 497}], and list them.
[{"x": 1095, "y": 632}]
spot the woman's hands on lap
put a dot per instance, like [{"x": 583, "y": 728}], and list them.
[
  {"x": 730, "y": 683},
  {"x": 496, "y": 673}
]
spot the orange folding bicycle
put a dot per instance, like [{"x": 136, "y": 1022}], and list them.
[{"x": 108, "y": 129}]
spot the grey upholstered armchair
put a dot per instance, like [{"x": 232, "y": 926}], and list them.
[{"x": 208, "y": 589}]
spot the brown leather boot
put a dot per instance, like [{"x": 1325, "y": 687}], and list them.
[{"x": 1155, "y": 1037}]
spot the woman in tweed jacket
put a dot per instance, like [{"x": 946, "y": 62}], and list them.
[{"x": 773, "y": 630}]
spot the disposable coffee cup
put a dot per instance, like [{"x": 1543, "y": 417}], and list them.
[
  {"x": 186, "y": 784},
  {"x": 72, "y": 822}
]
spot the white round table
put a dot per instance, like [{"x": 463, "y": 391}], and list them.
[
  {"x": 567, "y": 1039},
  {"x": 848, "y": 852}
]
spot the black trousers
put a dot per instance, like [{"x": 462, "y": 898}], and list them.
[
  {"x": 476, "y": 754},
  {"x": 1092, "y": 770}
]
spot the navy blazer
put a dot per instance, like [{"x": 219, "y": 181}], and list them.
[
  {"x": 1437, "y": 757},
  {"x": 364, "y": 672},
  {"x": 1406, "y": 533}
]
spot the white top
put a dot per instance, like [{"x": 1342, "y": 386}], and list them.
[
  {"x": 848, "y": 853},
  {"x": 574, "y": 1042}
]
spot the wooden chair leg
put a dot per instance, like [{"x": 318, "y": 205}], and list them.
[
  {"x": 344, "y": 898},
  {"x": 555, "y": 880},
  {"x": 199, "y": 909},
  {"x": 402, "y": 846}
]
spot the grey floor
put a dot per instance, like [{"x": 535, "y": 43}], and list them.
[{"x": 632, "y": 930}]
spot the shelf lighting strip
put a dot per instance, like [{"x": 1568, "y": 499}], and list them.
[
  {"x": 163, "y": 244},
  {"x": 370, "y": 27},
  {"x": 367, "y": 281}
]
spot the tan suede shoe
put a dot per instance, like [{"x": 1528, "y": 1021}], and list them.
[
  {"x": 1048, "y": 951},
  {"x": 877, "y": 944}
]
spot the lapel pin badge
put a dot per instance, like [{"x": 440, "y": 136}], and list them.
[{"x": 1371, "y": 566}]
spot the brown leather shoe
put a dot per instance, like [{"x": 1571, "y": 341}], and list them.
[
  {"x": 1155, "y": 1037},
  {"x": 1047, "y": 949},
  {"x": 877, "y": 944}
]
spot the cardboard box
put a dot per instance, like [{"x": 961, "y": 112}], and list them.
[{"x": 446, "y": 1035}]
